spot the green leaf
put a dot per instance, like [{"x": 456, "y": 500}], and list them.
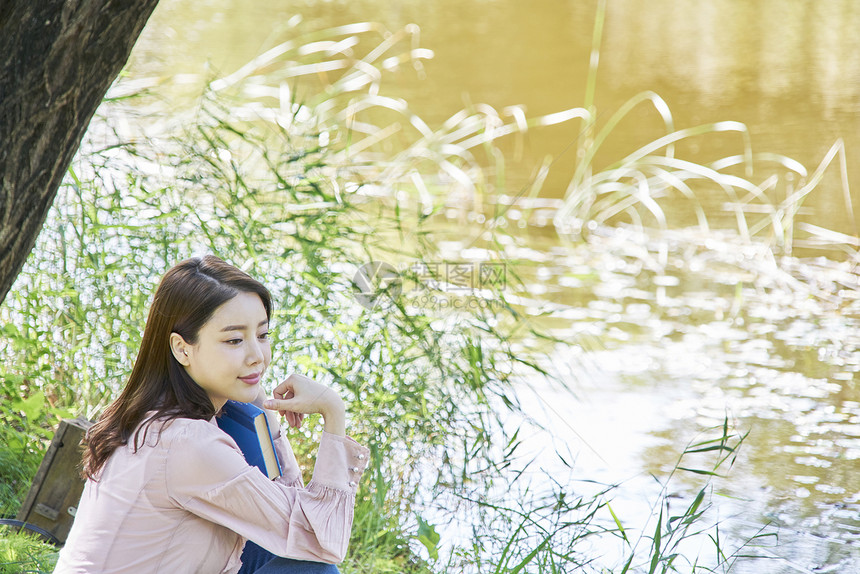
[
  {"x": 618, "y": 524},
  {"x": 62, "y": 413},
  {"x": 531, "y": 556},
  {"x": 32, "y": 406},
  {"x": 428, "y": 536},
  {"x": 700, "y": 471},
  {"x": 655, "y": 556},
  {"x": 696, "y": 503}
]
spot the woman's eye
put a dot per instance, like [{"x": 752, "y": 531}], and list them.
[
  {"x": 263, "y": 336},
  {"x": 234, "y": 341}
]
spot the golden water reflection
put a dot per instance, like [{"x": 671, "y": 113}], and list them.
[
  {"x": 790, "y": 71},
  {"x": 711, "y": 330}
]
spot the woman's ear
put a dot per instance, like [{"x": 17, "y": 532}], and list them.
[{"x": 179, "y": 348}]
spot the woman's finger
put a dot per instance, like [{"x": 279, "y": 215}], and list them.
[
  {"x": 283, "y": 389},
  {"x": 276, "y": 405}
]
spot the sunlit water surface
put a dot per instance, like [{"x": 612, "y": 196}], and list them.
[{"x": 671, "y": 334}]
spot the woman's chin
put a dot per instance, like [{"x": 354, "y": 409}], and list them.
[{"x": 247, "y": 393}]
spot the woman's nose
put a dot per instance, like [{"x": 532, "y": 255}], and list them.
[{"x": 255, "y": 353}]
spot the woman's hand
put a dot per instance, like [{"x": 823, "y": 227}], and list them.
[
  {"x": 293, "y": 419},
  {"x": 299, "y": 395}
]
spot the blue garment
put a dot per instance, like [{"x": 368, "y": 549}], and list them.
[{"x": 256, "y": 560}]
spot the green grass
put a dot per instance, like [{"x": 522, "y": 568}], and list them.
[{"x": 25, "y": 553}]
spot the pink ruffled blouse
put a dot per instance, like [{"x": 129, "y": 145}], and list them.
[{"x": 187, "y": 501}]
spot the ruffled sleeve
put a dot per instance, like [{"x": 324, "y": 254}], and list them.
[
  {"x": 207, "y": 475},
  {"x": 291, "y": 474}
]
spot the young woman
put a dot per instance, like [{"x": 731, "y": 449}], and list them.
[{"x": 167, "y": 491}]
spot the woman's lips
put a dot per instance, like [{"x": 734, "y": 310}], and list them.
[{"x": 251, "y": 379}]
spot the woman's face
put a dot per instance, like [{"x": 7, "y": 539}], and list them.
[{"x": 232, "y": 350}]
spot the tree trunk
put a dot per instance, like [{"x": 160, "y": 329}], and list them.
[{"x": 57, "y": 60}]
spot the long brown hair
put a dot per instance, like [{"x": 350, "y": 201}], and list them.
[{"x": 186, "y": 298}]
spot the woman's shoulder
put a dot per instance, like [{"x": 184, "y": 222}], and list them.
[
  {"x": 188, "y": 445},
  {"x": 177, "y": 429},
  {"x": 197, "y": 452}
]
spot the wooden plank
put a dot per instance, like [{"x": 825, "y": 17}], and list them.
[{"x": 53, "y": 498}]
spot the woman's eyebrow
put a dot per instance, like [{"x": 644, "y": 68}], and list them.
[{"x": 242, "y": 327}]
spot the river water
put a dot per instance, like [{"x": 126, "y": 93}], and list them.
[{"x": 668, "y": 335}]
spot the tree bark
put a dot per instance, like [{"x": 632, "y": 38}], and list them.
[{"x": 57, "y": 60}]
